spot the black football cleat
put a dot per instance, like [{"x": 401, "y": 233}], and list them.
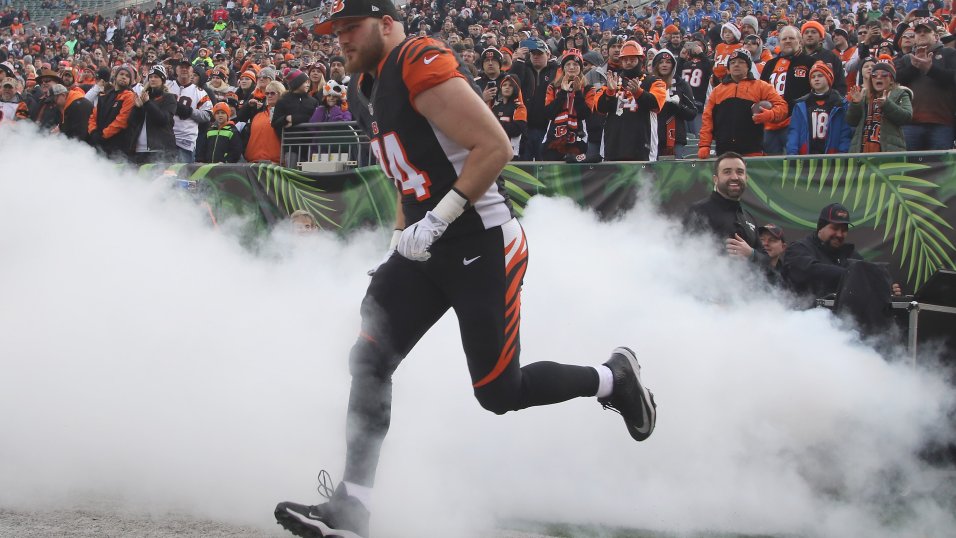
[
  {"x": 343, "y": 516},
  {"x": 629, "y": 397}
]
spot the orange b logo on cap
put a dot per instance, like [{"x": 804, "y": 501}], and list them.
[{"x": 339, "y": 5}]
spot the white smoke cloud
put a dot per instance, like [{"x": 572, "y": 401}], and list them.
[{"x": 149, "y": 358}]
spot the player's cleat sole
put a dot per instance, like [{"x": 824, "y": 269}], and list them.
[
  {"x": 630, "y": 397},
  {"x": 303, "y": 521}
]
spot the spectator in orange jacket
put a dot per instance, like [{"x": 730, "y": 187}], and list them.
[
  {"x": 737, "y": 110},
  {"x": 264, "y": 144}
]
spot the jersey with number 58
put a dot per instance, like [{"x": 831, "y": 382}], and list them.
[
  {"x": 422, "y": 161},
  {"x": 697, "y": 73}
]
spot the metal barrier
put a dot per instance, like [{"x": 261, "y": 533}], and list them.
[{"x": 343, "y": 143}]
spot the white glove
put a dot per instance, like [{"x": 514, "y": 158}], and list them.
[
  {"x": 419, "y": 237},
  {"x": 674, "y": 98},
  {"x": 392, "y": 245}
]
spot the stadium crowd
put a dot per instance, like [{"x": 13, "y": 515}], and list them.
[{"x": 580, "y": 81}]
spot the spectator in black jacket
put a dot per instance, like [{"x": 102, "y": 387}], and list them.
[
  {"x": 50, "y": 113},
  {"x": 76, "y": 114},
  {"x": 721, "y": 212},
  {"x": 109, "y": 123},
  {"x": 773, "y": 241},
  {"x": 679, "y": 107},
  {"x": 152, "y": 121},
  {"x": 509, "y": 108},
  {"x": 296, "y": 106},
  {"x": 536, "y": 75}
]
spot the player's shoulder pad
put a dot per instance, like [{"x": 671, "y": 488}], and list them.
[
  {"x": 426, "y": 53},
  {"x": 426, "y": 62}
]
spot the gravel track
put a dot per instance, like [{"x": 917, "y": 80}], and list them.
[{"x": 100, "y": 524}]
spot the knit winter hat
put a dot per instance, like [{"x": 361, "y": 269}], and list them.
[
  {"x": 661, "y": 54},
  {"x": 571, "y": 55},
  {"x": 249, "y": 74},
  {"x": 884, "y": 66},
  {"x": 334, "y": 88},
  {"x": 594, "y": 58},
  {"x": 129, "y": 71},
  {"x": 671, "y": 29},
  {"x": 820, "y": 67},
  {"x": 491, "y": 53},
  {"x": 814, "y": 25},
  {"x": 295, "y": 79},
  {"x": 268, "y": 73},
  {"x": 751, "y": 21},
  {"x": 741, "y": 54},
  {"x": 221, "y": 107},
  {"x": 159, "y": 71},
  {"x": 733, "y": 29}
]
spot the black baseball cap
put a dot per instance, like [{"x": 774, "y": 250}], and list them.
[
  {"x": 835, "y": 213},
  {"x": 356, "y": 9},
  {"x": 771, "y": 229}
]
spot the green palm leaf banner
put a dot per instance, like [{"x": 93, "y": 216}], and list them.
[{"x": 902, "y": 204}]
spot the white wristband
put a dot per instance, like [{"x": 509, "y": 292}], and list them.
[
  {"x": 396, "y": 237},
  {"x": 450, "y": 207}
]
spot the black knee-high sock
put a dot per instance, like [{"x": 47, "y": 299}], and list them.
[{"x": 369, "y": 416}]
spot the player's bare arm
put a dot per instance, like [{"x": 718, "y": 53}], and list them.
[{"x": 457, "y": 111}]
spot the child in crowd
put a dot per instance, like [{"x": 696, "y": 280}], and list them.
[
  {"x": 223, "y": 142},
  {"x": 818, "y": 124},
  {"x": 730, "y": 37},
  {"x": 330, "y": 109}
]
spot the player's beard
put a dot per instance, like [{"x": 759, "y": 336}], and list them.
[{"x": 368, "y": 55}]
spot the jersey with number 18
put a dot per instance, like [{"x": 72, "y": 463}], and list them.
[{"x": 422, "y": 161}]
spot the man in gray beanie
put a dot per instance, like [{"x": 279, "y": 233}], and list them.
[{"x": 749, "y": 26}]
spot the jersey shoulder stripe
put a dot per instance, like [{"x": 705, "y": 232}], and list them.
[{"x": 426, "y": 63}]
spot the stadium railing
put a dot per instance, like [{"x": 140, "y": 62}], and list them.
[{"x": 337, "y": 142}]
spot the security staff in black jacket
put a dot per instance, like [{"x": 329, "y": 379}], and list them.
[
  {"x": 815, "y": 264},
  {"x": 722, "y": 214}
]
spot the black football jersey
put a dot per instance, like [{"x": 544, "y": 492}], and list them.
[{"x": 422, "y": 161}]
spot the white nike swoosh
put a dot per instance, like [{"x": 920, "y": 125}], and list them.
[
  {"x": 430, "y": 60},
  {"x": 466, "y": 261},
  {"x": 322, "y": 527}
]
